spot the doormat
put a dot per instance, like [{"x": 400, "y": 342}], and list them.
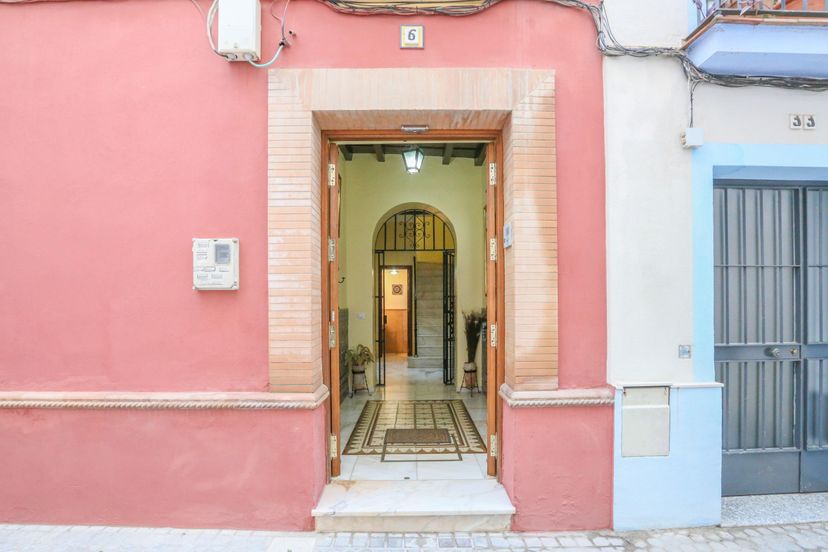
[{"x": 378, "y": 416}]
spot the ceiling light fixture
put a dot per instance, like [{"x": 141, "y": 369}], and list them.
[
  {"x": 413, "y": 159},
  {"x": 414, "y": 129}
]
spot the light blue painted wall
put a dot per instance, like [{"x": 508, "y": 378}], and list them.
[
  {"x": 684, "y": 488},
  {"x": 784, "y": 50}
]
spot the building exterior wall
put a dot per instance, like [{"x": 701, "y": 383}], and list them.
[
  {"x": 162, "y": 468},
  {"x": 139, "y": 139},
  {"x": 106, "y": 181},
  {"x": 660, "y": 248},
  {"x": 557, "y": 466},
  {"x": 651, "y": 282}
]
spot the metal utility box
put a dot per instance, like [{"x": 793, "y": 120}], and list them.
[
  {"x": 645, "y": 421},
  {"x": 239, "y": 29},
  {"x": 215, "y": 263}
]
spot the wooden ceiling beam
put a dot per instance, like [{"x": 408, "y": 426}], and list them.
[
  {"x": 347, "y": 152},
  {"x": 379, "y": 151},
  {"x": 447, "y": 151},
  {"x": 481, "y": 155}
]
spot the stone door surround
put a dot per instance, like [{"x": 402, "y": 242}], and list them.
[{"x": 520, "y": 103}]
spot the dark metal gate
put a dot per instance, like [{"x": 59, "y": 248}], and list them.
[
  {"x": 449, "y": 317},
  {"x": 771, "y": 335},
  {"x": 382, "y": 320},
  {"x": 416, "y": 230}
]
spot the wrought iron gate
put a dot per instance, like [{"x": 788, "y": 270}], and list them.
[
  {"x": 449, "y": 317},
  {"x": 416, "y": 230},
  {"x": 379, "y": 305},
  {"x": 771, "y": 335}
]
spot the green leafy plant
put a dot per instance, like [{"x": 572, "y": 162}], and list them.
[
  {"x": 358, "y": 356},
  {"x": 473, "y": 322}
]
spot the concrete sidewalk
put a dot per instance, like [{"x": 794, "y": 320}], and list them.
[{"x": 51, "y": 538}]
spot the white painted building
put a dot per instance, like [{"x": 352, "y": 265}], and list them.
[{"x": 764, "y": 310}]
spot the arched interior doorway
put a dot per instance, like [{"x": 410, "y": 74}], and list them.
[{"x": 423, "y": 237}]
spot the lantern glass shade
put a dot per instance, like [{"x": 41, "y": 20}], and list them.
[{"x": 413, "y": 160}]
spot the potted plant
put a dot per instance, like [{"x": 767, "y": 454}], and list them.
[
  {"x": 356, "y": 360},
  {"x": 473, "y": 322}
]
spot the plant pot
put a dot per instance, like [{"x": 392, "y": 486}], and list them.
[{"x": 470, "y": 377}]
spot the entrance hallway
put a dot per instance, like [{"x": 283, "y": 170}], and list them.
[{"x": 404, "y": 383}]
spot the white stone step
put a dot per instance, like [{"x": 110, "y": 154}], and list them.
[
  {"x": 425, "y": 362},
  {"x": 414, "y": 506},
  {"x": 430, "y": 350}
]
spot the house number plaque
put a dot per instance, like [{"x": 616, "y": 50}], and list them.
[{"x": 412, "y": 36}]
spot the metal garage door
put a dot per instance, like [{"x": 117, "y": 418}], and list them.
[{"x": 771, "y": 331}]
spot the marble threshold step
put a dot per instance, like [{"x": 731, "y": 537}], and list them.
[
  {"x": 425, "y": 362},
  {"x": 414, "y": 506}
]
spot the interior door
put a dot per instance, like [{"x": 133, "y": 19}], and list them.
[
  {"x": 771, "y": 330},
  {"x": 334, "y": 184},
  {"x": 490, "y": 333}
]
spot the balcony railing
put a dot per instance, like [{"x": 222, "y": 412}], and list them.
[{"x": 780, "y": 8}]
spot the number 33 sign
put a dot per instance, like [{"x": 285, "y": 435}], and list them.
[{"x": 411, "y": 36}]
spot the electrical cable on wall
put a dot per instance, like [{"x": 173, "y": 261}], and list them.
[
  {"x": 283, "y": 42},
  {"x": 607, "y": 43}
]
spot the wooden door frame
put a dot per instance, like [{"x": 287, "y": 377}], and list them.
[{"x": 330, "y": 367}]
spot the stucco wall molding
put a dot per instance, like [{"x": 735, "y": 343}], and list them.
[
  {"x": 556, "y": 398},
  {"x": 163, "y": 401}
]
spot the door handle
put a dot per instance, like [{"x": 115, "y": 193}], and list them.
[{"x": 773, "y": 352}]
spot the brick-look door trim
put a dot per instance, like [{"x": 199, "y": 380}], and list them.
[{"x": 303, "y": 102}]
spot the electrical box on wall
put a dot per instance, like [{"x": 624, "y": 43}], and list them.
[
  {"x": 239, "y": 30},
  {"x": 645, "y": 421},
  {"x": 215, "y": 263}
]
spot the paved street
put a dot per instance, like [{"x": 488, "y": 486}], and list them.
[{"x": 37, "y": 538}]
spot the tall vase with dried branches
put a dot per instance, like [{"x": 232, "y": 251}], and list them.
[{"x": 473, "y": 323}]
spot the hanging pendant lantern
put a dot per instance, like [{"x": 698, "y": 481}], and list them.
[{"x": 413, "y": 160}]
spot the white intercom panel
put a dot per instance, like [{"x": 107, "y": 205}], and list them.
[{"x": 215, "y": 263}]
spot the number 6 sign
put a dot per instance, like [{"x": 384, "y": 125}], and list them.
[{"x": 411, "y": 36}]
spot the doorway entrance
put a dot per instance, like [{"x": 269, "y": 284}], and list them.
[
  {"x": 415, "y": 240},
  {"x": 397, "y": 309},
  {"x": 413, "y": 234},
  {"x": 771, "y": 330}
]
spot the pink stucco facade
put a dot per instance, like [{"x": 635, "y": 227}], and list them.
[
  {"x": 122, "y": 137},
  {"x": 557, "y": 467},
  {"x": 218, "y": 469}
]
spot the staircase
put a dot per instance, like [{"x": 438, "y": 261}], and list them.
[
  {"x": 414, "y": 506},
  {"x": 429, "y": 317}
]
